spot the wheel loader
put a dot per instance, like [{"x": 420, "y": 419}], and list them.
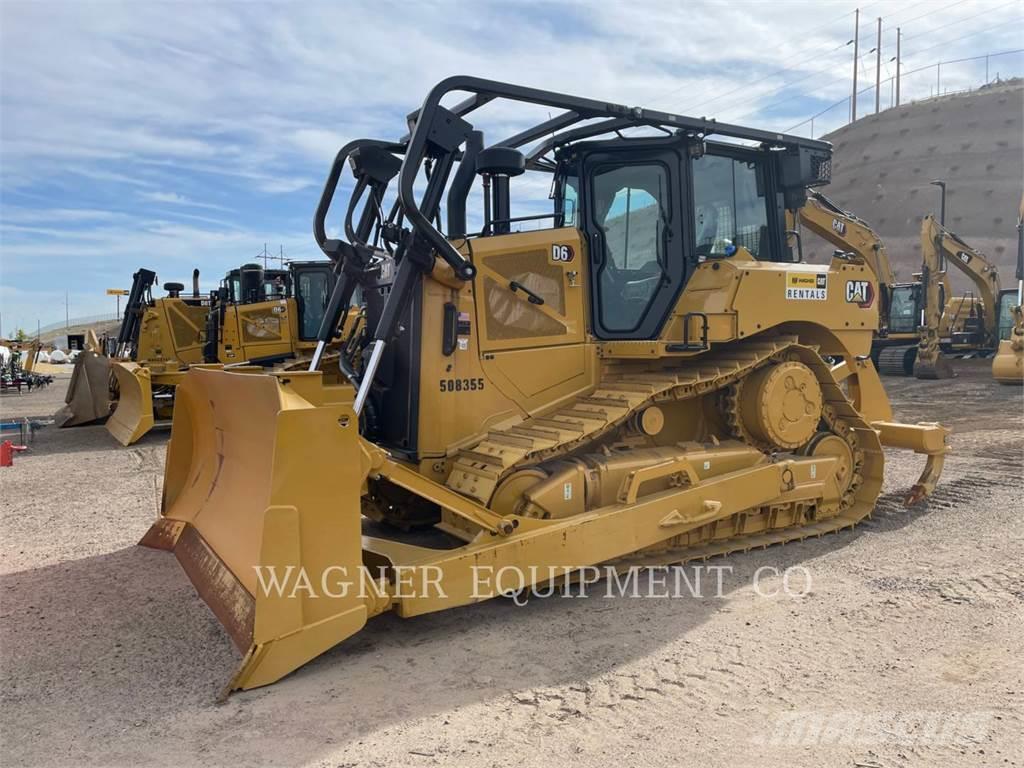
[
  {"x": 641, "y": 372},
  {"x": 256, "y": 318}
]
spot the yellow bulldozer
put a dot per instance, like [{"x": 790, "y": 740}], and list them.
[
  {"x": 644, "y": 373},
  {"x": 258, "y": 317}
]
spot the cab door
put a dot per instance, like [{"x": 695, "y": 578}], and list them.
[
  {"x": 530, "y": 302},
  {"x": 633, "y": 204}
]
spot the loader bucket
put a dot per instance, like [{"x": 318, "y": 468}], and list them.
[
  {"x": 133, "y": 414},
  {"x": 88, "y": 397},
  {"x": 261, "y": 500}
]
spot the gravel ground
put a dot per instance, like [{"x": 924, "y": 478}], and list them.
[{"x": 906, "y": 651}]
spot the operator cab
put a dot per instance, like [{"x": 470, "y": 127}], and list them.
[
  {"x": 1008, "y": 299},
  {"x": 653, "y": 209}
]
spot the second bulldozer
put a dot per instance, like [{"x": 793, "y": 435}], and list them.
[
  {"x": 257, "y": 318},
  {"x": 654, "y": 377}
]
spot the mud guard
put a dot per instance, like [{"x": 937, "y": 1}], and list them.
[
  {"x": 88, "y": 396},
  {"x": 133, "y": 414}
]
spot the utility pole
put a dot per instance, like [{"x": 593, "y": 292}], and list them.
[
  {"x": 878, "y": 67},
  {"x": 898, "y": 66},
  {"x": 67, "y": 311},
  {"x": 856, "y": 55}
]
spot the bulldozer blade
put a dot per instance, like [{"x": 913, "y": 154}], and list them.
[
  {"x": 133, "y": 415},
  {"x": 88, "y": 396},
  {"x": 261, "y": 488}
]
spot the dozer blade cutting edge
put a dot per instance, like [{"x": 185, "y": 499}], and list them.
[
  {"x": 263, "y": 484},
  {"x": 133, "y": 414},
  {"x": 88, "y": 396}
]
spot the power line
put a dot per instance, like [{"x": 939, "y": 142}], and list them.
[
  {"x": 910, "y": 72},
  {"x": 777, "y": 48},
  {"x": 956, "y": 39},
  {"x": 745, "y": 86},
  {"x": 861, "y": 64},
  {"x": 841, "y": 78},
  {"x": 960, "y": 20}
]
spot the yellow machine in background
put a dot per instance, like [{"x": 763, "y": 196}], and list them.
[
  {"x": 1008, "y": 363},
  {"x": 257, "y": 318},
  {"x": 653, "y": 379},
  {"x": 900, "y": 305},
  {"x": 965, "y": 324}
]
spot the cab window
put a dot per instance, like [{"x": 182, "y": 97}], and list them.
[
  {"x": 1004, "y": 318},
  {"x": 903, "y": 310},
  {"x": 313, "y": 293},
  {"x": 730, "y": 208},
  {"x": 630, "y": 209}
]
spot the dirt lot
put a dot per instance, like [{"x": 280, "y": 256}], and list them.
[{"x": 906, "y": 651}]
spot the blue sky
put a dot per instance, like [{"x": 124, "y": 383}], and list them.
[{"x": 173, "y": 135}]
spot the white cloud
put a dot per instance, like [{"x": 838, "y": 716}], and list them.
[
  {"x": 146, "y": 110},
  {"x": 173, "y": 198}
]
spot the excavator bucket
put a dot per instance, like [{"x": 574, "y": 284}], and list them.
[
  {"x": 259, "y": 487},
  {"x": 133, "y": 415},
  {"x": 88, "y": 397},
  {"x": 938, "y": 367},
  {"x": 1008, "y": 363}
]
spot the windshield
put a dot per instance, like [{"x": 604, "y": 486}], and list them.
[
  {"x": 729, "y": 207},
  {"x": 313, "y": 293},
  {"x": 903, "y": 311},
  {"x": 1007, "y": 301}
]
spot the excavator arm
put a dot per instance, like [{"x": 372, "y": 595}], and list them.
[
  {"x": 847, "y": 232},
  {"x": 937, "y": 242},
  {"x": 930, "y": 363}
]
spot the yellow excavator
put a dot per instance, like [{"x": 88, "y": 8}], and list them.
[
  {"x": 257, "y": 317},
  {"x": 1008, "y": 363},
  {"x": 960, "y": 324},
  {"x": 900, "y": 305},
  {"x": 652, "y": 377}
]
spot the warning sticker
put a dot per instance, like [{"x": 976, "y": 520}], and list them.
[{"x": 807, "y": 286}]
